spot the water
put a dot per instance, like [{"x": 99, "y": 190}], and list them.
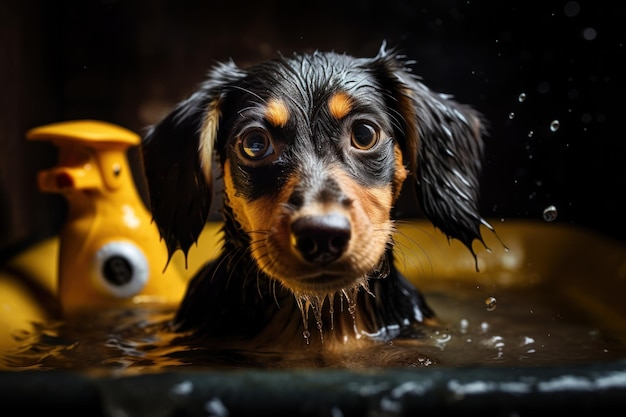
[
  {"x": 550, "y": 213},
  {"x": 490, "y": 304},
  {"x": 530, "y": 327}
]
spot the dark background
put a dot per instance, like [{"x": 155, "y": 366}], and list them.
[{"x": 128, "y": 62}]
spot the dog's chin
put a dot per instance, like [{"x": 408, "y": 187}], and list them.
[{"x": 323, "y": 284}]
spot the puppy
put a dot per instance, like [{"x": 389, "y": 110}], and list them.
[{"x": 313, "y": 152}]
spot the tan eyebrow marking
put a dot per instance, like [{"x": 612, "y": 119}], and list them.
[
  {"x": 340, "y": 105},
  {"x": 276, "y": 112}
]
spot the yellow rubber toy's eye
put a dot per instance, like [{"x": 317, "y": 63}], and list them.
[{"x": 120, "y": 269}]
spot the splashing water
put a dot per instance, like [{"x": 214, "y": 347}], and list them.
[{"x": 315, "y": 303}]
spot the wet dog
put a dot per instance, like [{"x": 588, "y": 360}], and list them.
[{"x": 313, "y": 151}]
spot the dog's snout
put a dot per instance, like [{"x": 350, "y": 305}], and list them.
[{"x": 321, "y": 238}]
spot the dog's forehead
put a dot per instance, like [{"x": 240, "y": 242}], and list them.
[
  {"x": 303, "y": 83},
  {"x": 316, "y": 70}
]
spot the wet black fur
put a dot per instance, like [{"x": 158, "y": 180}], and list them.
[{"x": 441, "y": 141}]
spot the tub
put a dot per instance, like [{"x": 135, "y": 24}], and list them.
[{"x": 539, "y": 329}]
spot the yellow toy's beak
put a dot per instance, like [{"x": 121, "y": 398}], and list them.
[{"x": 59, "y": 180}]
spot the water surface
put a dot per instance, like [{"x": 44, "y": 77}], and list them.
[{"x": 516, "y": 327}]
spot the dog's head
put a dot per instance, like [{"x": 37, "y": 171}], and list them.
[{"x": 314, "y": 150}]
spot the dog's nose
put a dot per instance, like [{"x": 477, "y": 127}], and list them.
[{"x": 321, "y": 239}]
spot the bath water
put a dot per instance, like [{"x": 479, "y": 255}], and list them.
[{"x": 515, "y": 327}]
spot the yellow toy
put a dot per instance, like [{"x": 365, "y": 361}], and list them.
[{"x": 110, "y": 252}]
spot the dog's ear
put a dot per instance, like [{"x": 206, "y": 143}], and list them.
[
  {"x": 442, "y": 142},
  {"x": 177, "y": 158}
]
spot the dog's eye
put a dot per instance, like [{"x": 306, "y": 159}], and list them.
[
  {"x": 256, "y": 144},
  {"x": 364, "y": 136}
]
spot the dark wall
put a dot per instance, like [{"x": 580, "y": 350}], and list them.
[{"x": 127, "y": 62}]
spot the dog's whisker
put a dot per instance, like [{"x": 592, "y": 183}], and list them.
[
  {"x": 405, "y": 249},
  {"x": 396, "y": 118},
  {"x": 235, "y": 259},
  {"x": 264, "y": 273},
  {"x": 225, "y": 259},
  {"x": 258, "y": 280},
  {"x": 252, "y": 93},
  {"x": 287, "y": 209},
  {"x": 250, "y": 268},
  {"x": 272, "y": 283},
  {"x": 381, "y": 271}
]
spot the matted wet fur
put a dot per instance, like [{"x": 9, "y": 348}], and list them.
[{"x": 313, "y": 150}]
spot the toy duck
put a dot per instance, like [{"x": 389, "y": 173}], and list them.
[{"x": 110, "y": 252}]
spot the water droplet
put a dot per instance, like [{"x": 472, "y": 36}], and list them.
[
  {"x": 589, "y": 34},
  {"x": 351, "y": 294},
  {"x": 511, "y": 115},
  {"x": 490, "y": 303},
  {"x": 571, "y": 8},
  {"x": 215, "y": 407},
  {"x": 494, "y": 342},
  {"x": 331, "y": 310},
  {"x": 464, "y": 323},
  {"x": 522, "y": 97},
  {"x": 316, "y": 305},
  {"x": 531, "y": 134},
  {"x": 550, "y": 213},
  {"x": 543, "y": 87},
  {"x": 442, "y": 338},
  {"x": 554, "y": 125},
  {"x": 182, "y": 389},
  {"x": 304, "y": 304}
]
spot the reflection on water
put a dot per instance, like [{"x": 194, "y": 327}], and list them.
[{"x": 526, "y": 329}]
